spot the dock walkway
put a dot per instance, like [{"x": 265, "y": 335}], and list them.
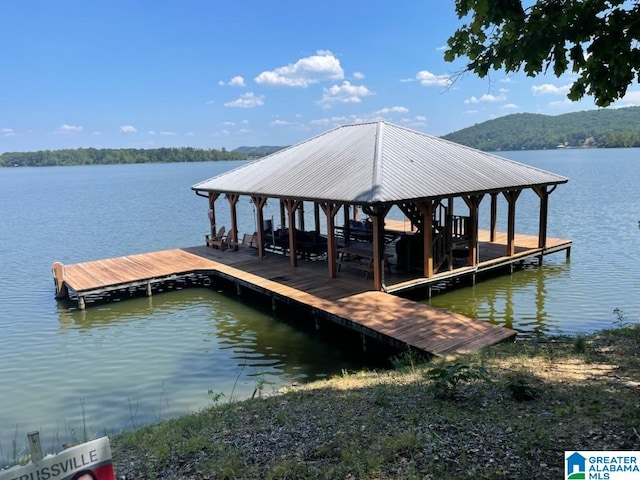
[{"x": 346, "y": 301}]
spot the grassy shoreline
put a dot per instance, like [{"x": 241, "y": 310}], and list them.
[{"x": 508, "y": 411}]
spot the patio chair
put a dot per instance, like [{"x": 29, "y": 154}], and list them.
[{"x": 216, "y": 240}]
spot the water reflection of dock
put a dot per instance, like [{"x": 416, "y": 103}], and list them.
[{"x": 347, "y": 300}]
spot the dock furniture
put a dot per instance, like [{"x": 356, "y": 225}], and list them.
[
  {"x": 215, "y": 241},
  {"x": 360, "y": 257}
]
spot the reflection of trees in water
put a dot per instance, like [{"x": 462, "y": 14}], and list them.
[
  {"x": 515, "y": 301},
  {"x": 258, "y": 343},
  {"x": 262, "y": 341}
]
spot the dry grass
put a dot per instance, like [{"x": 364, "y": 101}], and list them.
[{"x": 582, "y": 394}]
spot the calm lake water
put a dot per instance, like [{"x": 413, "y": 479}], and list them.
[{"x": 71, "y": 374}]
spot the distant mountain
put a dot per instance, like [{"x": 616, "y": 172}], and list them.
[
  {"x": 257, "y": 152},
  {"x": 605, "y": 128}
]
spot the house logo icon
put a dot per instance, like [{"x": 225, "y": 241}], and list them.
[{"x": 576, "y": 467}]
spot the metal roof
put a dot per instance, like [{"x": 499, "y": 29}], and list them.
[{"x": 372, "y": 163}]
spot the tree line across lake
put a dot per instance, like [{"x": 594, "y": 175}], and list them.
[
  {"x": 603, "y": 128},
  {"x": 107, "y": 156}
]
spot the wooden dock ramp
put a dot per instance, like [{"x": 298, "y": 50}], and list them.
[
  {"x": 385, "y": 317},
  {"x": 426, "y": 328}
]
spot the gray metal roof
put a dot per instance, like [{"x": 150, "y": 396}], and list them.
[{"x": 376, "y": 163}]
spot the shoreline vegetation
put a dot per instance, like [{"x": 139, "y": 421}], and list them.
[
  {"x": 123, "y": 156},
  {"x": 508, "y": 411}
]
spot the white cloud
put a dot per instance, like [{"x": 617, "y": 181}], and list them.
[
  {"x": 316, "y": 68},
  {"x": 68, "y": 129},
  {"x": 358, "y": 75},
  {"x": 128, "y": 129},
  {"x": 168, "y": 134},
  {"x": 152, "y": 132},
  {"x": 631, "y": 98},
  {"x": 486, "y": 98},
  {"x": 548, "y": 89},
  {"x": 429, "y": 79},
  {"x": 345, "y": 93},
  {"x": 509, "y": 106},
  {"x": 384, "y": 111},
  {"x": 7, "y": 132},
  {"x": 342, "y": 120},
  {"x": 236, "y": 81},
  {"x": 282, "y": 123},
  {"x": 247, "y": 100}
]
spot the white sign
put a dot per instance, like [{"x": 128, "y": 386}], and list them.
[{"x": 89, "y": 461}]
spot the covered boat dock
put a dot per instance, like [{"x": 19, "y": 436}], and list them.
[{"x": 344, "y": 264}]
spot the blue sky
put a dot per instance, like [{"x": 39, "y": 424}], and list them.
[{"x": 214, "y": 74}]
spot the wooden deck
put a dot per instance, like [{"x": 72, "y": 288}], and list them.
[{"x": 347, "y": 300}]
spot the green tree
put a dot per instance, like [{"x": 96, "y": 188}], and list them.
[{"x": 597, "y": 40}]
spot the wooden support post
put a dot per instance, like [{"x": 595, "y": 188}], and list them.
[
  {"x": 364, "y": 342},
  {"x": 292, "y": 206},
  {"x": 58, "y": 279},
  {"x": 149, "y": 293},
  {"x": 238, "y": 290},
  {"x": 301, "y": 216},
  {"x": 259, "y": 203},
  {"x": 35, "y": 447},
  {"x": 494, "y": 217},
  {"x": 473, "y": 202},
  {"x": 274, "y": 305},
  {"x": 283, "y": 218},
  {"x": 330, "y": 210},
  {"x": 233, "y": 201},
  {"x": 81, "y": 303},
  {"x": 347, "y": 225},
  {"x": 512, "y": 197},
  {"x": 212, "y": 213},
  {"x": 543, "y": 193},
  {"x": 377, "y": 215},
  {"x": 427, "y": 208},
  {"x": 316, "y": 216}
]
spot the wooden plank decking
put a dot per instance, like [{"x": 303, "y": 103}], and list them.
[{"x": 345, "y": 300}]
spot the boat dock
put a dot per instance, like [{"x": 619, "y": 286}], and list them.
[{"x": 347, "y": 300}]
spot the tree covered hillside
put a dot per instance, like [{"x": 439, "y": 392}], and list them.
[
  {"x": 605, "y": 128},
  {"x": 107, "y": 156}
]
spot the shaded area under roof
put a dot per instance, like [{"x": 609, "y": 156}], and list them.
[{"x": 376, "y": 163}]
